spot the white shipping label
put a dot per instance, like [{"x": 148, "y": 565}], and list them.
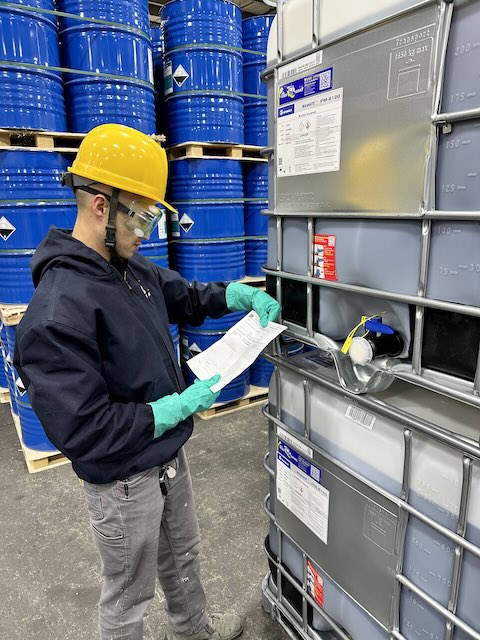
[
  {"x": 150, "y": 66},
  {"x": 299, "y": 489},
  {"x": 174, "y": 224},
  {"x": 162, "y": 225},
  {"x": 309, "y": 134}
]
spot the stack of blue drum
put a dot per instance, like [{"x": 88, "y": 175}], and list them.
[
  {"x": 157, "y": 50},
  {"x": 209, "y": 230},
  {"x": 31, "y": 200},
  {"x": 203, "y": 71},
  {"x": 33, "y": 435},
  {"x": 24, "y": 221},
  {"x": 156, "y": 250},
  {"x": 111, "y": 53},
  {"x": 255, "y": 185},
  {"x": 32, "y": 88},
  {"x": 255, "y": 40},
  {"x": 203, "y": 102}
]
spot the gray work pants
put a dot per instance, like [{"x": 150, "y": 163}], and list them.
[{"x": 140, "y": 534}]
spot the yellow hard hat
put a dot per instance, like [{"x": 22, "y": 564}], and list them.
[{"x": 125, "y": 158}]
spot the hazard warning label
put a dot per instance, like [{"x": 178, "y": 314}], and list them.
[
  {"x": 314, "y": 584},
  {"x": 20, "y": 386},
  {"x": 324, "y": 262},
  {"x": 6, "y": 228},
  {"x": 194, "y": 349},
  {"x": 180, "y": 75},
  {"x": 186, "y": 223}
]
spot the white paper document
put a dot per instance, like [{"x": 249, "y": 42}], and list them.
[{"x": 236, "y": 351}]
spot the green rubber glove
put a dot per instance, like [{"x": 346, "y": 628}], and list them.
[
  {"x": 241, "y": 297},
  {"x": 170, "y": 410}
]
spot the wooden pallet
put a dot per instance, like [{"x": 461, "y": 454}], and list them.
[
  {"x": 60, "y": 141},
  {"x": 256, "y": 395},
  {"x": 11, "y": 314},
  {"x": 4, "y": 395},
  {"x": 38, "y": 460},
  {"x": 40, "y": 140},
  {"x": 215, "y": 150}
]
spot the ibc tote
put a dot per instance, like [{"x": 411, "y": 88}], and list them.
[{"x": 374, "y": 218}]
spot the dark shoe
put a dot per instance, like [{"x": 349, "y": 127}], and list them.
[{"x": 220, "y": 626}]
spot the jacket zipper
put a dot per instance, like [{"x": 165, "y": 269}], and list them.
[{"x": 147, "y": 295}]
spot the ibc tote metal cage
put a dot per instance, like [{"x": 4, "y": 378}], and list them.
[{"x": 394, "y": 156}]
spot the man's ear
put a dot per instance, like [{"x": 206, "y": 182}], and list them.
[{"x": 100, "y": 206}]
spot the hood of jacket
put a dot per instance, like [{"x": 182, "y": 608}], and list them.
[{"x": 60, "y": 248}]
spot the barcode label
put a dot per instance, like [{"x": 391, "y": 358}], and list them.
[
  {"x": 300, "y": 66},
  {"x": 360, "y": 416}
]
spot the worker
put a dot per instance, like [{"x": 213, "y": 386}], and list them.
[{"x": 95, "y": 354}]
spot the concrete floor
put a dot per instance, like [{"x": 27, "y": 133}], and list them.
[{"x": 49, "y": 568}]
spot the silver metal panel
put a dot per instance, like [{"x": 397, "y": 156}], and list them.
[
  {"x": 360, "y": 546},
  {"x": 386, "y": 77}
]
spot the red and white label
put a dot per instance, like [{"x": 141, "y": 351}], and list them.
[
  {"x": 324, "y": 263},
  {"x": 314, "y": 584}
]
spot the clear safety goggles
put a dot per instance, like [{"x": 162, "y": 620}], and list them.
[{"x": 141, "y": 215}]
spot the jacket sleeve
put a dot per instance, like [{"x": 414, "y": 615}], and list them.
[
  {"x": 62, "y": 371},
  {"x": 191, "y": 302}
]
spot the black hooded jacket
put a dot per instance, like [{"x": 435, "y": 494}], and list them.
[{"x": 94, "y": 347}]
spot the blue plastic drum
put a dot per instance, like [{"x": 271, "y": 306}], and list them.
[
  {"x": 175, "y": 333},
  {"x": 197, "y": 339},
  {"x": 3, "y": 369},
  {"x": 208, "y": 195},
  {"x": 261, "y": 370},
  {"x": 8, "y": 367},
  {"x": 31, "y": 97},
  {"x": 255, "y": 256},
  {"x": 122, "y": 50},
  {"x": 157, "y": 252},
  {"x": 157, "y": 49},
  {"x": 156, "y": 247},
  {"x": 203, "y": 71},
  {"x": 210, "y": 260},
  {"x": 255, "y": 41},
  {"x": 32, "y": 200},
  {"x": 255, "y": 186},
  {"x": 33, "y": 435},
  {"x": 11, "y": 377}
]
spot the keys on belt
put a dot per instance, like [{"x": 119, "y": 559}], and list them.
[{"x": 166, "y": 471}]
